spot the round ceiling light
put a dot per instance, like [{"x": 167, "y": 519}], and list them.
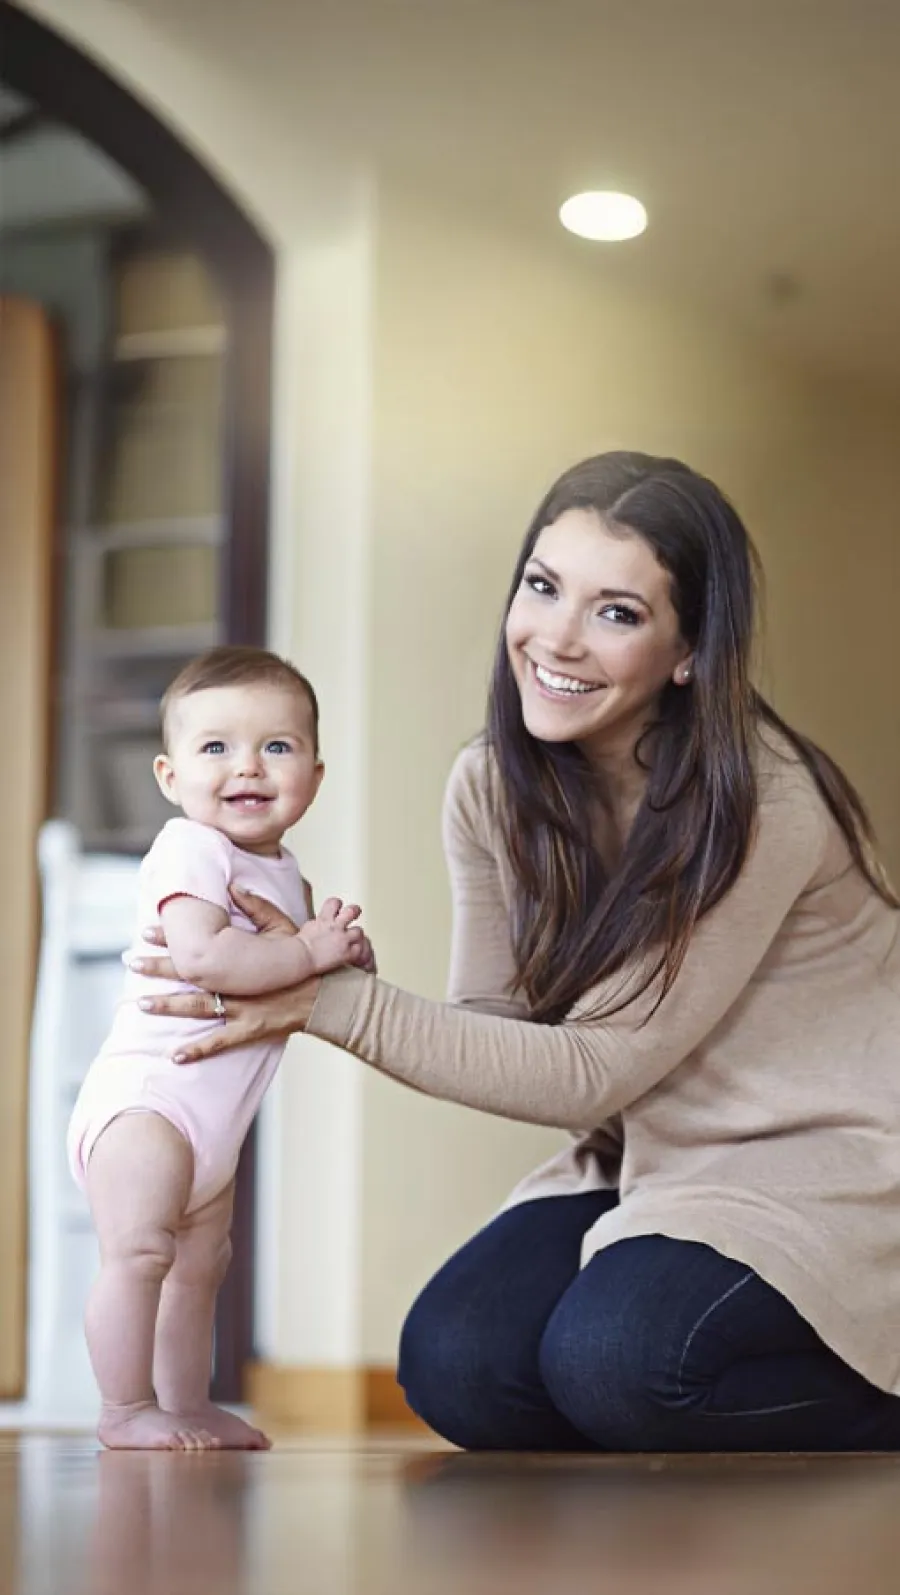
[{"x": 603, "y": 216}]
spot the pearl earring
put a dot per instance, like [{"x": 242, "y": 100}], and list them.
[{"x": 686, "y": 675}]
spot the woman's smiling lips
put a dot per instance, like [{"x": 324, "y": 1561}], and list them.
[{"x": 553, "y": 684}]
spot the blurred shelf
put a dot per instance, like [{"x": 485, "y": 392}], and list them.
[
  {"x": 147, "y": 536},
  {"x": 170, "y": 344},
  {"x": 129, "y": 716},
  {"x": 188, "y": 531},
  {"x": 153, "y": 642}
]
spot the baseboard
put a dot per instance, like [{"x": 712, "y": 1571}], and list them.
[
  {"x": 329, "y": 1400},
  {"x": 386, "y": 1404}
]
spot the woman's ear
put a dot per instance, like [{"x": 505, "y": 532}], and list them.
[
  {"x": 684, "y": 673},
  {"x": 165, "y": 777}
]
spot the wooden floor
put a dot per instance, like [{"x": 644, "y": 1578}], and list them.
[{"x": 406, "y": 1518}]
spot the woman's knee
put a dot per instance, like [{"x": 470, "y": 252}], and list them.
[
  {"x": 611, "y": 1357},
  {"x": 450, "y": 1367},
  {"x": 469, "y": 1347},
  {"x": 464, "y": 1371},
  {"x": 607, "y": 1387},
  {"x": 635, "y": 1352}
]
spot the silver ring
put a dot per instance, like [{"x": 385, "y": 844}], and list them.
[{"x": 218, "y": 1005}]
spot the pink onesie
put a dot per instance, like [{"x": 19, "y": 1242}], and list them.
[{"x": 212, "y": 1103}]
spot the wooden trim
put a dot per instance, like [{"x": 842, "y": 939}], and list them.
[
  {"x": 329, "y": 1400},
  {"x": 386, "y": 1406},
  {"x": 319, "y": 1399},
  {"x": 29, "y": 460}
]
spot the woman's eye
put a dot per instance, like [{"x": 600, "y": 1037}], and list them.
[
  {"x": 622, "y": 615},
  {"x": 213, "y": 747},
  {"x": 278, "y": 746},
  {"x": 540, "y": 585}
]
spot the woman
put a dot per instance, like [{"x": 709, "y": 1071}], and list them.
[{"x": 672, "y": 938}]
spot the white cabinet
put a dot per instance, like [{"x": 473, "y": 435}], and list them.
[{"x": 89, "y": 909}]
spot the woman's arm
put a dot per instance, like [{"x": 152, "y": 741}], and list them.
[
  {"x": 565, "y": 1076},
  {"x": 581, "y": 1072}
]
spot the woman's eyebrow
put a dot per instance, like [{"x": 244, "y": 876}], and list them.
[
  {"x": 547, "y": 569},
  {"x": 624, "y": 592},
  {"x": 605, "y": 592}
]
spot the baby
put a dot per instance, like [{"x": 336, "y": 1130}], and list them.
[{"x": 156, "y": 1144}]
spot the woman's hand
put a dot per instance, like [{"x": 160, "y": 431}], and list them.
[{"x": 247, "y": 1019}]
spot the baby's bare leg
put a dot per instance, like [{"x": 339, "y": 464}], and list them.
[
  {"x": 184, "y": 1328},
  {"x": 138, "y": 1182}
]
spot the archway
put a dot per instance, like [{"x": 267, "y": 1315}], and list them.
[{"x": 72, "y": 89}]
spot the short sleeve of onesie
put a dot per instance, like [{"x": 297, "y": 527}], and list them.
[{"x": 188, "y": 860}]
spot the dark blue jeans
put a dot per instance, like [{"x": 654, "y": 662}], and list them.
[{"x": 657, "y": 1345}]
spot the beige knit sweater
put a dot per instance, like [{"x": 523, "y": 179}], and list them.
[{"x": 757, "y": 1111}]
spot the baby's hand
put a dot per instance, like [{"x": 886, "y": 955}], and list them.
[{"x": 332, "y": 939}]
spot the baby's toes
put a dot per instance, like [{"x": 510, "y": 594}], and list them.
[{"x": 196, "y": 1440}]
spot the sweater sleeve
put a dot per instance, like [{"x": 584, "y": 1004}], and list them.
[
  {"x": 584, "y": 1070},
  {"x": 482, "y": 972}
]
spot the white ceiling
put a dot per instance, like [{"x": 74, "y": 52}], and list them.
[{"x": 763, "y": 135}]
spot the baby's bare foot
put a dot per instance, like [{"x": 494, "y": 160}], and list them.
[
  {"x": 144, "y": 1427},
  {"x": 229, "y": 1431}
]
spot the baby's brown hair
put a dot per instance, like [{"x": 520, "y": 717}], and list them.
[{"x": 235, "y": 666}]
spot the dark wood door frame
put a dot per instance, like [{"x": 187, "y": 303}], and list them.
[{"x": 69, "y": 87}]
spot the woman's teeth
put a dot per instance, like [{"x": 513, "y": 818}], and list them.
[{"x": 564, "y": 683}]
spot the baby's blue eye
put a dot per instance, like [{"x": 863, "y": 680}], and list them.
[
  {"x": 278, "y": 746},
  {"x": 213, "y": 747}
]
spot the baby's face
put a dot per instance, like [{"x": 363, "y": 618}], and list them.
[{"x": 243, "y": 760}]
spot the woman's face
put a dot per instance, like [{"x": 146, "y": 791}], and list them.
[{"x": 593, "y": 636}]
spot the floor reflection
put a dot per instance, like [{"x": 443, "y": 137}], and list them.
[
  {"x": 387, "y": 1518},
  {"x": 688, "y": 1527}
]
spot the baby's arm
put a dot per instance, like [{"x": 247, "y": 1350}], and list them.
[{"x": 209, "y": 952}]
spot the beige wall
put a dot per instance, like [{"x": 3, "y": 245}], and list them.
[
  {"x": 434, "y": 372},
  {"x": 832, "y": 552}
]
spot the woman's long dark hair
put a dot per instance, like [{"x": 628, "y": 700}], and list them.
[{"x": 575, "y": 925}]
